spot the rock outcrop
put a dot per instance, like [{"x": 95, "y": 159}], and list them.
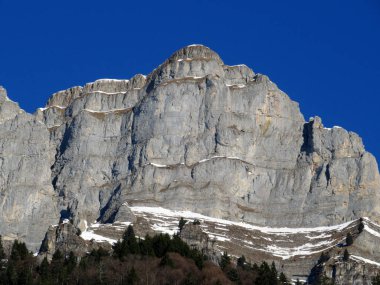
[
  {"x": 66, "y": 238},
  {"x": 196, "y": 238},
  {"x": 28, "y": 201},
  {"x": 195, "y": 134}
]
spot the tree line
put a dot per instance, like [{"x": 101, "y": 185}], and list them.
[{"x": 160, "y": 259}]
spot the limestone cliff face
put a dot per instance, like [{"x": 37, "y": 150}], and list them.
[
  {"x": 28, "y": 201},
  {"x": 195, "y": 134}
]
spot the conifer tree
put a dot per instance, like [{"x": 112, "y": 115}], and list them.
[
  {"x": 161, "y": 244},
  {"x": 18, "y": 251},
  {"x": 2, "y": 253},
  {"x": 241, "y": 261},
  {"x": 198, "y": 258},
  {"x": 117, "y": 249},
  {"x": 225, "y": 261},
  {"x": 361, "y": 226},
  {"x": 130, "y": 240},
  {"x": 178, "y": 245},
  {"x": 181, "y": 223},
  {"x": 12, "y": 274},
  {"x": 324, "y": 257},
  {"x": 146, "y": 246},
  {"x": 282, "y": 278},
  {"x": 57, "y": 256},
  {"x": 273, "y": 270},
  {"x": 266, "y": 275},
  {"x": 349, "y": 239},
  {"x": 346, "y": 255},
  {"x": 44, "y": 270},
  {"x": 57, "y": 269},
  {"x": 25, "y": 277},
  {"x": 70, "y": 262}
]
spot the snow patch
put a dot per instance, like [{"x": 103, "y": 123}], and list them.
[
  {"x": 90, "y": 235},
  {"x": 371, "y": 231},
  {"x": 324, "y": 235},
  {"x": 222, "y": 229},
  {"x": 220, "y": 156},
  {"x": 195, "y": 45},
  {"x": 334, "y": 127},
  {"x": 166, "y": 221},
  {"x": 186, "y": 59},
  {"x": 305, "y": 249},
  {"x": 359, "y": 258},
  {"x": 95, "y": 225},
  {"x": 236, "y": 85},
  {"x": 369, "y": 221},
  {"x": 218, "y": 237},
  {"x": 213, "y": 157},
  {"x": 300, "y": 279},
  {"x": 123, "y": 223},
  {"x": 166, "y": 229},
  {"x": 106, "y": 112},
  {"x": 158, "y": 165},
  {"x": 109, "y": 80},
  {"x": 275, "y": 231},
  {"x": 107, "y": 93},
  {"x": 239, "y": 65},
  {"x": 54, "y": 126},
  {"x": 54, "y": 106}
]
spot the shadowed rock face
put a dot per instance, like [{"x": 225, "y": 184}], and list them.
[{"x": 195, "y": 134}]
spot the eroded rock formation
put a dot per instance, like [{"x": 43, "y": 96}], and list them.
[{"x": 195, "y": 134}]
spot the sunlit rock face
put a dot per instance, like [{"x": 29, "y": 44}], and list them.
[
  {"x": 196, "y": 135},
  {"x": 28, "y": 201}
]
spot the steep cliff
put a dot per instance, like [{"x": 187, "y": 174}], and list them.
[
  {"x": 28, "y": 201},
  {"x": 195, "y": 134}
]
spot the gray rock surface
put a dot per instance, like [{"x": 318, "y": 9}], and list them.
[
  {"x": 66, "y": 238},
  {"x": 195, "y": 134},
  {"x": 196, "y": 238},
  {"x": 28, "y": 201}
]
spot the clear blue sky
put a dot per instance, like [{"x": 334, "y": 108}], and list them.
[{"x": 324, "y": 54}]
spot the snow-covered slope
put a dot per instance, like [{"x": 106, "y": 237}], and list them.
[{"x": 295, "y": 250}]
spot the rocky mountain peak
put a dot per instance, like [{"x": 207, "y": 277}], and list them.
[
  {"x": 194, "y": 135},
  {"x": 3, "y": 94},
  {"x": 65, "y": 97},
  {"x": 195, "y": 52},
  {"x": 115, "y": 85},
  {"x": 189, "y": 63},
  {"x": 106, "y": 86},
  {"x": 8, "y": 108}
]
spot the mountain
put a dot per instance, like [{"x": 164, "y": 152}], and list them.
[{"x": 194, "y": 138}]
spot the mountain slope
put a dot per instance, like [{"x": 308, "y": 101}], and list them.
[{"x": 195, "y": 135}]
